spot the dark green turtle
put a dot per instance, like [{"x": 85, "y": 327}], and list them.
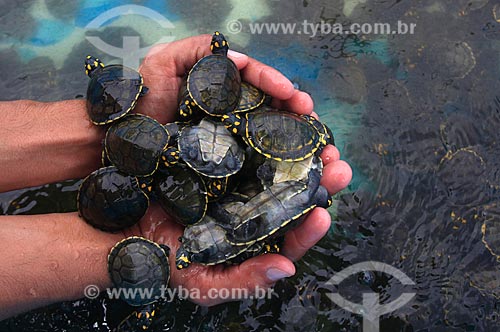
[
  {"x": 205, "y": 243},
  {"x": 182, "y": 193},
  {"x": 214, "y": 82},
  {"x": 280, "y": 135},
  {"x": 138, "y": 263},
  {"x": 112, "y": 91},
  {"x": 110, "y": 200},
  {"x": 210, "y": 149},
  {"x": 135, "y": 143},
  {"x": 251, "y": 98},
  {"x": 276, "y": 209}
]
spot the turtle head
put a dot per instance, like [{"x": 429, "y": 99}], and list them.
[
  {"x": 146, "y": 184},
  {"x": 219, "y": 44},
  {"x": 186, "y": 108},
  {"x": 325, "y": 133},
  {"x": 141, "y": 318},
  {"x": 216, "y": 187},
  {"x": 170, "y": 156},
  {"x": 234, "y": 123},
  {"x": 182, "y": 259},
  {"x": 91, "y": 64}
]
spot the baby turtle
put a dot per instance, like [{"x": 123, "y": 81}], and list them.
[
  {"x": 181, "y": 193},
  {"x": 280, "y": 135},
  {"x": 210, "y": 149},
  {"x": 110, "y": 200},
  {"x": 138, "y": 263},
  {"x": 112, "y": 91},
  {"x": 135, "y": 143},
  {"x": 276, "y": 209},
  {"x": 214, "y": 82},
  {"x": 205, "y": 243}
]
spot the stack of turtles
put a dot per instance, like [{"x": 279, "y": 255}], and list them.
[{"x": 235, "y": 171}]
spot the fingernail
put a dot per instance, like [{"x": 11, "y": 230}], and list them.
[
  {"x": 275, "y": 274},
  {"x": 236, "y": 55}
]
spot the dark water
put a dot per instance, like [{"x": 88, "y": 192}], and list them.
[{"x": 418, "y": 118}]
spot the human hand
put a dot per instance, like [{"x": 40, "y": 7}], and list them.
[
  {"x": 166, "y": 65},
  {"x": 163, "y": 70}
]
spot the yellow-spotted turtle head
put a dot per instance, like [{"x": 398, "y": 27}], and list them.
[
  {"x": 235, "y": 123},
  {"x": 182, "y": 259},
  {"x": 219, "y": 44},
  {"x": 140, "y": 319},
  {"x": 91, "y": 64}
]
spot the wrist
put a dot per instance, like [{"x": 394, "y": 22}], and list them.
[
  {"x": 52, "y": 141},
  {"x": 51, "y": 258}
]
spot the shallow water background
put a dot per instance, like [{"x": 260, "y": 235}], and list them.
[{"x": 417, "y": 116}]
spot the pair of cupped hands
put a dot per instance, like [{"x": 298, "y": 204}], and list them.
[{"x": 163, "y": 70}]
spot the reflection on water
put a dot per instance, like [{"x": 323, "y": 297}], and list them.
[{"x": 417, "y": 116}]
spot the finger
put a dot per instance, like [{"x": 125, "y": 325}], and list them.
[
  {"x": 329, "y": 154},
  {"x": 268, "y": 80},
  {"x": 300, "y": 103},
  {"x": 299, "y": 240},
  {"x": 336, "y": 176},
  {"x": 260, "y": 272},
  {"x": 177, "y": 57},
  {"x": 163, "y": 69},
  {"x": 240, "y": 59}
]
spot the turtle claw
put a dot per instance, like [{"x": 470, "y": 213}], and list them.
[{"x": 144, "y": 91}]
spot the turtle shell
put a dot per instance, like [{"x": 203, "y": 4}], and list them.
[
  {"x": 280, "y": 135},
  {"x": 214, "y": 84},
  {"x": 135, "y": 143},
  {"x": 205, "y": 243},
  {"x": 110, "y": 200},
  {"x": 210, "y": 149},
  {"x": 182, "y": 193},
  {"x": 273, "y": 171},
  {"x": 112, "y": 92},
  {"x": 137, "y": 263},
  {"x": 274, "y": 210},
  {"x": 251, "y": 98}
]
